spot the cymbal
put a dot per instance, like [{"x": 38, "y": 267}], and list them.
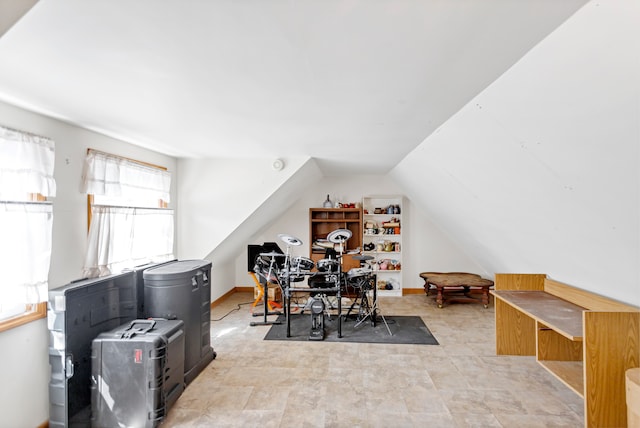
[
  {"x": 272, "y": 254},
  {"x": 362, "y": 258},
  {"x": 289, "y": 240},
  {"x": 338, "y": 236}
]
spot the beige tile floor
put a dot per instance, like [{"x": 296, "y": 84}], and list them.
[{"x": 459, "y": 383}]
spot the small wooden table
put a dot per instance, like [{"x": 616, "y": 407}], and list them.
[{"x": 458, "y": 283}]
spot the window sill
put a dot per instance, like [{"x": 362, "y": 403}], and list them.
[{"x": 33, "y": 312}]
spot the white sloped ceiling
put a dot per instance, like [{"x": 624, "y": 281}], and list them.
[{"x": 539, "y": 172}]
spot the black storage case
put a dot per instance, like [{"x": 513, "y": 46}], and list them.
[
  {"x": 182, "y": 290},
  {"x": 137, "y": 373}
]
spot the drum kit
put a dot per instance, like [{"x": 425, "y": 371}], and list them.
[{"x": 327, "y": 279}]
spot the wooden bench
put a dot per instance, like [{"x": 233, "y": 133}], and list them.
[
  {"x": 585, "y": 340},
  {"x": 457, "y": 286}
]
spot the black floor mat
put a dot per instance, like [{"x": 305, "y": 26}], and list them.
[{"x": 404, "y": 330}]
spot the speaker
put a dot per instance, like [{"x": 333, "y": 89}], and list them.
[
  {"x": 252, "y": 253},
  {"x": 254, "y": 250}
]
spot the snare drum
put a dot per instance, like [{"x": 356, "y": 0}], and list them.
[
  {"x": 358, "y": 279},
  {"x": 327, "y": 265},
  {"x": 302, "y": 264}
]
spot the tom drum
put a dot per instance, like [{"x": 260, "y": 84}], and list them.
[
  {"x": 327, "y": 265},
  {"x": 302, "y": 264}
]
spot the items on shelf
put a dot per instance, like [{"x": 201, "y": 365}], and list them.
[
  {"x": 387, "y": 264},
  {"x": 389, "y": 209},
  {"x": 322, "y": 244},
  {"x": 387, "y": 284},
  {"x": 383, "y": 247},
  {"x": 391, "y": 227},
  {"x": 348, "y": 205},
  {"x": 329, "y": 204}
]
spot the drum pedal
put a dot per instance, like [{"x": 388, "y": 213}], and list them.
[
  {"x": 317, "y": 319},
  {"x": 316, "y": 334}
]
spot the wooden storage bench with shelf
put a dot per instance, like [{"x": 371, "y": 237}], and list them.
[{"x": 585, "y": 340}]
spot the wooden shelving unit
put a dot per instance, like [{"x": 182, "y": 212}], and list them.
[
  {"x": 388, "y": 234},
  {"x": 323, "y": 221}
]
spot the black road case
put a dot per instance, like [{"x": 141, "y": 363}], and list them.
[
  {"x": 138, "y": 279},
  {"x": 76, "y": 314},
  {"x": 137, "y": 373},
  {"x": 182, "y": 290}
]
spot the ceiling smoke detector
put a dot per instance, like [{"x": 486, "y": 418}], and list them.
[{"x": 277, "y": 164}]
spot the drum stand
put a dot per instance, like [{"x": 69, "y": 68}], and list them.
[
  {"x": 261, "y": 293},
  {"x": 371, "y": 310},
  {"x": 317, "y": 305},
  {"x": 361, "y": 302}
]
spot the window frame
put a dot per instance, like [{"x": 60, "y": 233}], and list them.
[{"x": 32, "y": 312}]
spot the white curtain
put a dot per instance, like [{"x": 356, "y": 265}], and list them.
[
  {"x": 26, "y": 165},
  {"x": 121, "y": 238},
  {"x": 111, "y": 175},
  {"x": 25, "y": 254}
]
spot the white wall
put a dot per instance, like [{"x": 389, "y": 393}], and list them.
[
  {"x": 539, "y": 173},
  {"x": 24, "y": 399},
  {"x": 222, "y": 202},
  {"x": 217, "y": 195},
  {"x": 425, "y": 246}
]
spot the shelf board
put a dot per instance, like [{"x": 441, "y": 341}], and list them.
[
  {"x": 556, "y": 313},
  {"x": 334, "y": 209},
  {"x": 389, "y": 293},
  {"x": 335, "y": 220},
  {"x": 569, "y": 372},
  {"x": 390, "y": 215}
]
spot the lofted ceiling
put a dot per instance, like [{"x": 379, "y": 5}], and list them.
[{"x": 355, "y": 84}]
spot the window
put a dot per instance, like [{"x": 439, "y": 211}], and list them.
[
  {"x": 26, "y": 220},
  {"x": 129, "y": 224}
]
